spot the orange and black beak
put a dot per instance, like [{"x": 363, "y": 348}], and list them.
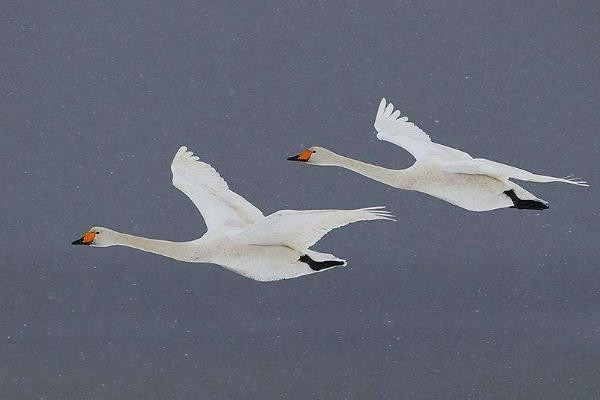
[
  {"x": 86, "y": 239},
  {"x": 302, "y": 156}
]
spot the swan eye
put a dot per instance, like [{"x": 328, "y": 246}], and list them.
[
  {"x": 314, "y": 151},
  {"x": 97, "y": 233}
]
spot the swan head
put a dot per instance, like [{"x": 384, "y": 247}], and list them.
[
  {"x": 314, "y": 155},
  {"x": 97, "y": 237}
]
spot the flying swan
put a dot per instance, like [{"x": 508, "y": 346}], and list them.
[
  {"x": 239, "y": 237},
  {"x": 449, "y": 174}
]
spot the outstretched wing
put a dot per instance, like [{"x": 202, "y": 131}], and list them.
[
  {"x": 481, "y": 166},
  {"x": 302, "y": 229},
  {"x": 398, "y": 130},
  {"x": 209, "y": 192}
]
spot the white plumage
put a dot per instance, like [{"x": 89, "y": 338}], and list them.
[
  {"x": 440, "y": 171},
  {"x": 220, "y": 207},
  {"x": 302, "y": 229},
  {"x": 239, "y": 237}
]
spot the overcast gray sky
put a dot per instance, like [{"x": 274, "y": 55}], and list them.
[{"x": 444, "y": 304}]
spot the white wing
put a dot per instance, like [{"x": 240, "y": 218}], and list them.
[
  {"x": 219, "y": 206},
  {"x": 395, "y": 129},
  {"x": 481, "y": 166},
  {"x": 302, "y": 229}
]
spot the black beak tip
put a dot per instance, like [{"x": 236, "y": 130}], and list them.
[
  {"x": 292, "y": 158},
  {"x": 78, "y": 241}
]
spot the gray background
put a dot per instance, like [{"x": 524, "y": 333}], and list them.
[{"x": 443, "y": 304}]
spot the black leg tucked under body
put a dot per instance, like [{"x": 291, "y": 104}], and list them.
[
  {"x": 319, "y": 265},
  {"x": 525, "y": 204}
]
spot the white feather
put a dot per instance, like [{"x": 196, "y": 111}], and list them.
[{"x": 239, "y": 237}]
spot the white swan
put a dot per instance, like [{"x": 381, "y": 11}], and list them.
[
  {"x": 452, "y": 175},
  {"x": 239, "y": 237}
]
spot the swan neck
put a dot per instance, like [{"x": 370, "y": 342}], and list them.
[
  {"x": 393, "y": 177},
  {"x": 177, "y": 250}
]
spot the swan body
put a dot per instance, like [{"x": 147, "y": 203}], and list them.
[
  {"x": 475, "y": 184},
  {"x": 239, "y": 237}
]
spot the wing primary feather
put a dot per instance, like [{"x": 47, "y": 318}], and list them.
[
  {"x": 302, "y": 229},
  {"x": 209, "y": 192},
  {"x": 397, "y": 129},
  {"x": 381, "y": 108}
]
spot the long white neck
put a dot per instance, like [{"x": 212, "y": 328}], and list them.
[
  {"x": 399, "y": 178},
  {"x": 183, "y": 251}
]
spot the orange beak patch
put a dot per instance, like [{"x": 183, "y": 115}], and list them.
[
  {"x": 302, "y": 156},
  {"x": 87, "y": 239}
]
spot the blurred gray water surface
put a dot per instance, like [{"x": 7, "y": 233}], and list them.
[{"x": 443, "y": 304}]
